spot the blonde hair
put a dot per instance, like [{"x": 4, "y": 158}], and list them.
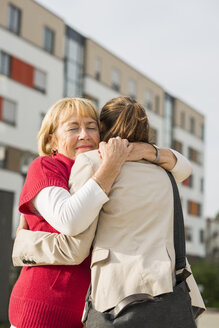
[
  {"x": 124, "y": 117},
  {"x": 59, "y": 113}
]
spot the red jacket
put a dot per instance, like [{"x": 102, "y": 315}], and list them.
[{"x": 48, "y": 296}]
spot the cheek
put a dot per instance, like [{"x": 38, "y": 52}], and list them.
[
  {"x": 68, "y": 144},
  {"x": 96, "y": 138}
]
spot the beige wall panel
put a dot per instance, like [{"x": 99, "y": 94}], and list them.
[
  {"x": 108, "y": 62},
  {"x": 33, "y": 19},
  {"x": 4, "y": 12},
  {"x": 179, "y": 107}
]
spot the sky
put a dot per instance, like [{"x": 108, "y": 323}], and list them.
[{"x": 174, "y": 43}]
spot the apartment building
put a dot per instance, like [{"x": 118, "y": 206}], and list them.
[
  {"x": 31, "y": 79},
  {"x": 173, "y": 124},
  {"x": 212, "y": 238},
  {"x": 42, "y": 60},
  {"x": 188, "y": 138},
  {"x": 107, "y": 76}
]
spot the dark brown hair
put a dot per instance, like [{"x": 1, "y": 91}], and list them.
[{"x": 124, "y": 117}]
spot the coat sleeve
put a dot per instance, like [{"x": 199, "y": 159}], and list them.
[
  {"x": 182, "y": 169},
  {"x": 196, "y": 298},
  {"x": 41, "y": 248}
]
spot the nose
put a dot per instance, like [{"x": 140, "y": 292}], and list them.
[{"x": 83, "y": 134}]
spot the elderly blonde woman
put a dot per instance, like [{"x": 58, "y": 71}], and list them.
[{"x": 68, "y": 250}]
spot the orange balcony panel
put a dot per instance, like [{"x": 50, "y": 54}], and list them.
[{"x": 22, "y": 72}]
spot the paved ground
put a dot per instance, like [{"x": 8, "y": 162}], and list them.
[{"x": 209, "y": 319}]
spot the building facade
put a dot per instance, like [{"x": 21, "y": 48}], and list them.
[
  {"x": 188, "y": 138},
  {"x": 42, "y": 60},
  {"x": 173, "y": 124},
  {"x": 31, "y": 59},
  {"x": 212, "y": 238}
]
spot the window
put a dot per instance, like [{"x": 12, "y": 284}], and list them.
[
  {"x": 202, "y": 131},
  {"x": 74, "y": 51},
  {"x": 153, "y": 135},
  {"x": 194, "y": 155},
  {"x": 132, "y": 89},
  {"x": 2, "y": 156},
  {"x": 97, "y": 68},
  {"x": 5, "y": 64},
  {"x": 178, "y": 146},
  {"x": 22, "y": 72},
  {"x": 192, "y": 125},
  {"x": 40, "y": 80},
  {"x": 115, "y": 79},
  {"x": 182, "y": 120},
  {"x": 25, "y": 160},
  {"x": 148, "y": 99},
  {"x": 157, "y": 104},
  {"x": 7, "y": 111},
  {"x": 188, "y": 182},
  {"x": 188, "y": 234},
  {"x": 14, "y": 19},
  {"x": 201, "y": 236},
  {"x": 202, "y": 185},
  {"x": 48, "y": 40},
  {"x": 74, "y": 61},
  {"x": 194, "y": 208}
]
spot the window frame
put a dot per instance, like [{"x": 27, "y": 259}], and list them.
[
  {"x": 115, "y": 79},
  {"x": 48, "y": 31},
  {"x": 4, "y": 55},
  {"x": 5, "y": 120},
  {"x": 12, "y": 11}
]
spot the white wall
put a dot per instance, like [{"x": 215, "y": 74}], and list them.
[
  {"x": 99, "y": 91},
  {"x": 30, "y": 103}
]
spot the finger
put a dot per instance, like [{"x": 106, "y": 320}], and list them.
[
  {"x": 125, "y": 141},
  {"x": 111, "y": 140}
]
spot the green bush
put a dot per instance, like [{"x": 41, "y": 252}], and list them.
[{"x": 206, "y": 273}]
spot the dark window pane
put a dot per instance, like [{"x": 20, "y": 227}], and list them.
[
  {"x": 48, "y": 40},
  {"x": 14, "y": 19},
  {"x": 5, "y": 64}
]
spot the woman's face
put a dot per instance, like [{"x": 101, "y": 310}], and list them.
[{"x": 77, "y": 135}]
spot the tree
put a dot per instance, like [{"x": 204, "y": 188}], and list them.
[{"x": 206, "y": 273}]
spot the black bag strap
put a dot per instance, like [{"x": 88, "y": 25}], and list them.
[{"x": 179, "y": 232}]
